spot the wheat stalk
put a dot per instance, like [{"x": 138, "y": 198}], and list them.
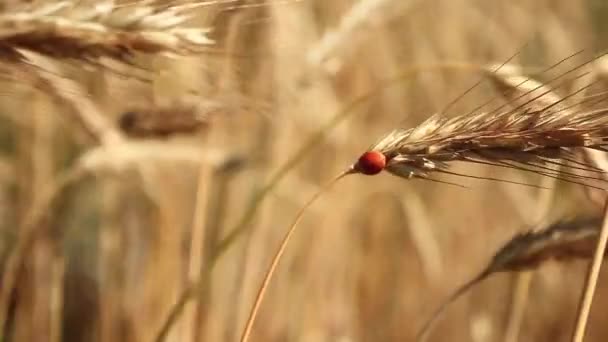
[
  {"x": 562, "y": 241},
  {"x": 114, "y": 159},
  {"x": 597, "y": 159},
  {"x": 67, "y": 29}
]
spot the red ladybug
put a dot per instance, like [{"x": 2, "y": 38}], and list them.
[{"x": 371, "y": 163}]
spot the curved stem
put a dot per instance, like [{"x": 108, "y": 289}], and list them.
[
  {"x": 277, "y": 257},
  {"x": 424, "y": 332}
]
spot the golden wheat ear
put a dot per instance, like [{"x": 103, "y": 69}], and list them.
[
  {"x": 561, "y": 241},
  {"x": 533, "y": 131},
  {"x": 86, "y": 32}
]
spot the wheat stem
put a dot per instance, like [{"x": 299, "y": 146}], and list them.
[
  {"x": 519, "y": 300},
  {"x": 598, "y": 159},
  {"x": 38, "y": 212},
  {"x": 521, "y": 293},
  {"x": 278, "y": 255},
  {"x": 591, "y": 281},
  {"x": 198, "y": 236}
]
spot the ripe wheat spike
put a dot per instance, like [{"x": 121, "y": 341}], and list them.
[{"x": 71, "y": 30}]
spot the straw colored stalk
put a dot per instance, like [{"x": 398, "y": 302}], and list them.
[
  {"x": 599, "y": 160},
  {"x": 44, "y": 73},
  {"x": 67, "y": 29},
  {"x": 102, "y": 160},
  {"x": 532, "y": 209}
]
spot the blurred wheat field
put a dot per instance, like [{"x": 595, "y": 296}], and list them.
[{"x": 151, "y": 213}]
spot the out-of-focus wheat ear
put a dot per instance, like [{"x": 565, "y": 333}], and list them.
[
  {"x": 179, "y": 117},
  {"x": 354, "y": 24},
  {"x": 524, "y": 93},
  {"x": 86, "y": 32},
  {"x": 488, "y": 70},
  {"x": 521, "y": 91},
  {"x": 527, "y": 95},
  {"x": 47, "y": 75},
  {"x": 562, "y": 241}
]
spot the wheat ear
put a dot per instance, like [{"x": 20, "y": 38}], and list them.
[
  {"x": 67, "y": 29},
  {"x": 535, "y": 130},
  {"x": 561, "y": 241}
]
